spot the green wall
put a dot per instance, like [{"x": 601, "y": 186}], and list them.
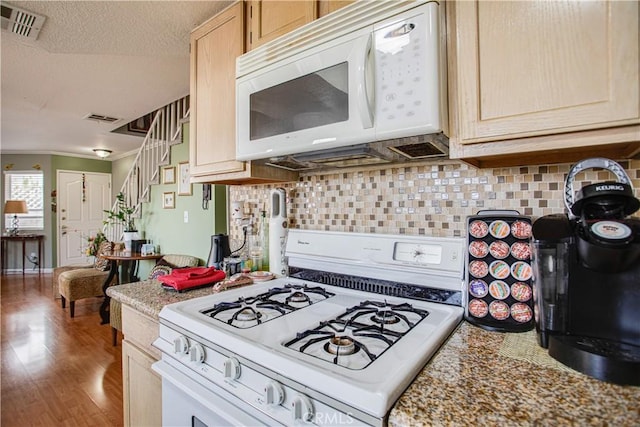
[{"x": 49, "y": 165}]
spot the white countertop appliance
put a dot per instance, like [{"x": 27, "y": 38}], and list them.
[
  {"x": 278, "y": 226},
  {"x": 335, "y": 342},
  {"x": 321, "y": 95}
]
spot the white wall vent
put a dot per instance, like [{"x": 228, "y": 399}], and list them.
[
  {"x": 100, "y": 118},
  {"x": 21, "y": 22}
]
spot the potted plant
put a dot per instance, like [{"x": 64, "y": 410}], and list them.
[{"x": 123, "y": 214}]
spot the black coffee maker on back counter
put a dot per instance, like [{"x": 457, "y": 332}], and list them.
[{"x": 587, "y": 278}]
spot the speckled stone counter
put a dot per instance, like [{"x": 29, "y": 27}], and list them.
[
  {"x": 477, "y": 378},
  {"x": 149, "y": 296},
  {"x": 482, "y": 378}
]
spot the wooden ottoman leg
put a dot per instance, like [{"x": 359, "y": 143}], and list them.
[
  {"x": 63, "y": 301},
  {"x": 72, "y": 308}
]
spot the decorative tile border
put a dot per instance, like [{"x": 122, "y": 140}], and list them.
[{"x": 431, "y": 199}]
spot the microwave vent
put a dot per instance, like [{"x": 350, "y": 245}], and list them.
[
  {"x": 422, "y": 150},
  {"x": 288, "y": 164}
]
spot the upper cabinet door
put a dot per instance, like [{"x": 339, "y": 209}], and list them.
[
  {"x": 326, "y": 7},
  {"x": 528, "y": 68},
  {"x": 269, "y": 19},
  {"x": 215, "y": 45}
]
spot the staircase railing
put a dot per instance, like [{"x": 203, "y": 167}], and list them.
[{"x": 164, "y": 132}]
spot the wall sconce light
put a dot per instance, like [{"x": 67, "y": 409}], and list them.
[
  {"x": 102, "y": 152},
  {"x": 15, "y": 207}
]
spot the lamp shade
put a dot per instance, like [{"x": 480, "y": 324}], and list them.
[{"x": 15, "y": 207}]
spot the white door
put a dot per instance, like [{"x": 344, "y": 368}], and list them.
[{"x": 82, "y": 198}]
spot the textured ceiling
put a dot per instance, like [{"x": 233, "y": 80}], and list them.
[{"x": 122, "y": 59}]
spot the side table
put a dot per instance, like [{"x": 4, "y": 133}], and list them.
[
  {"x": 117, "y": 259},
  {"x": 6, "y": 238}
]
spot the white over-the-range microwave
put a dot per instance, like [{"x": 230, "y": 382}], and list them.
[{"x": 363, "y": 85}]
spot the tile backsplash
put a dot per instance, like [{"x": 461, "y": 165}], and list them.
[{"x": 430, "y": 199}]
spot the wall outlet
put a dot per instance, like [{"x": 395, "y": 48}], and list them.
[{"x": 186, "y": 217}]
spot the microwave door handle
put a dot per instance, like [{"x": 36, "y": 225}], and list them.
[{"x": 364, "y": 92}]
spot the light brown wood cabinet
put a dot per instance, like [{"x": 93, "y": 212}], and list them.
[
  {"x": 215, "y": 45},
  {"x": 269, "y": 19},
  {"x": 142, "y": 387},
  {"x": 325, "y": 7},
  {"x": 543, "y": 81}
]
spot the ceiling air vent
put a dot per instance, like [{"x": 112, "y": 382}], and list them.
[
  {"x": 101, "y": 118},
  {"x": 21, "y": 22}
]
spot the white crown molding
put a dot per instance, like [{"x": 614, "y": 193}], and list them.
[{"x": 59, "y": 153}]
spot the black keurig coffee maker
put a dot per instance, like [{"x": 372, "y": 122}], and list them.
[{"x": 587, "y": 278}]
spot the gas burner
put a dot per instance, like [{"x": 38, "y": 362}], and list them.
[
  {"x": 298, "y": 297},
  {"x": 386, "y": 317},
  {"x": 241, "y": 313},
  {"x": 341, "y": 346},
  {"x": 246, "y": 314}
]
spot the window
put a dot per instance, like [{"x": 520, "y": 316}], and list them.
[{"x": 27, "y": 186}]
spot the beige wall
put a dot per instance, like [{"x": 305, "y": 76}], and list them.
[{"x": 430, "y": 199}]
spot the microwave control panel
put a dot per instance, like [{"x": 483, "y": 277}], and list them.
[{"x": 407, "y": 71}]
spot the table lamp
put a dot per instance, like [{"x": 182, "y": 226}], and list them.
[{"x": 15, "y": 207}]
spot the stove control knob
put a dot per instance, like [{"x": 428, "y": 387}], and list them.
[
  {"x": 181, "y": 345},
  {"x": 232, "y": 368},
  {"x": 273, "y": 393},
  {"x": 196, "y": 353},
  {"x": 302, "y": 409}
]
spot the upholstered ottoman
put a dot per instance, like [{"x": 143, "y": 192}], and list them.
[
  {"x": 58, "y": 271},
  {"x": 80, "y": 283}
]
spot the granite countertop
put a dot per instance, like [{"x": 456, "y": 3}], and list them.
[
  {"x": 478, "y": 377},
  {"x": 490, "y": 378},
  {"x": 149, "y": 296}
]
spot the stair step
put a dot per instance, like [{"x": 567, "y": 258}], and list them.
[{"x": 155, "y": 152}]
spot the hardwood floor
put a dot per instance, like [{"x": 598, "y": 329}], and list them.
[{"x": 56, "y": 371}]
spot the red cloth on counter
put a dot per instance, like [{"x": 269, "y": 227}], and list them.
[{"x": 185, "y": 278}]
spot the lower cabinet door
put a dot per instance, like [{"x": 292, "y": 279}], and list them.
[{"x": 142, "y": 388}]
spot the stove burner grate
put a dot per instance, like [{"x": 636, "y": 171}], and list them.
[
  {"x": 384, "y": 314},
  {"x": 263, "y": 307},
  {"x": 344, "y": 337},
  {"x": 337, "y": 345},
  {"x": 299, "y": 293}
]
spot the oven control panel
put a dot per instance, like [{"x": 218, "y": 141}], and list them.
[{"x": 265, "y": 391}]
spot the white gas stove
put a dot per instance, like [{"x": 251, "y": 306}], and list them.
[{"x": 336, "y": 342}]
